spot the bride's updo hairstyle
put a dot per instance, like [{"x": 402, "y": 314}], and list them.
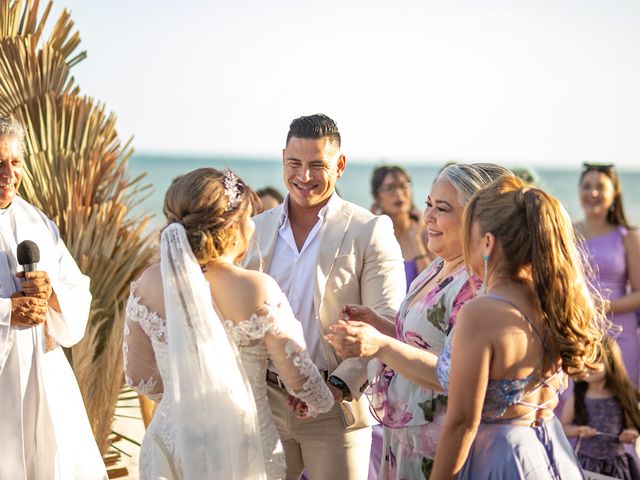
[
  {"x": 535, "y": 236},
  {"x": 212, "y": 205}
]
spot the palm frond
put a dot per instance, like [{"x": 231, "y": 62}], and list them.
[{"x": 76, "y": 173}]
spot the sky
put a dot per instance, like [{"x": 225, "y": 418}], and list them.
[{"x": 545, "y": 82}]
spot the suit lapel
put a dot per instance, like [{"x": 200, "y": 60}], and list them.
[
  {"x": 332, "y": 237},
  {"x": 268, "y": 232}
]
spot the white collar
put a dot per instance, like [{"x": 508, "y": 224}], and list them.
[{"x": 332, "y": 206}]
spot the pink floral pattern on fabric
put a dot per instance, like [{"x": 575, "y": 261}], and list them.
[{"x": 404, "y": 408}]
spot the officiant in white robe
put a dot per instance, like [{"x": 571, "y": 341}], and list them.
[{"x": 44, "y": 429}]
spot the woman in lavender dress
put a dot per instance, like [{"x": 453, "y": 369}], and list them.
[
  {"x": 512, "y": 346},
  {"x": 613, "y": 250}
]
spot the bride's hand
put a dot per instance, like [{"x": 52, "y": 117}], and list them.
[
  {"x": 297, "y": 406},
  {"x": 355, "y": 339}
]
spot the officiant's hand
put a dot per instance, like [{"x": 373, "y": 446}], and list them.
[
  {"x": 27, "y": 311},
  {"x": 36, "y": 284}
]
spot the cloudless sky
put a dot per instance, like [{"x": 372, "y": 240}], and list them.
[{"x": 545, "y": 82}]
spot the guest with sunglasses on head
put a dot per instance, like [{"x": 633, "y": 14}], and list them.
[
  {"x": 392, "y": 196},
  {"x": 613, "y": 250}
]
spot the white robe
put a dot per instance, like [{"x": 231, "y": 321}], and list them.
[{"x": 44, "y": 429}]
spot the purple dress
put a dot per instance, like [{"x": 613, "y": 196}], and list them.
[
  {"x": 607, "y": 257},
  {"x": 604, "y": 453},
  {"x": 410, "y": 271},
  {"x": 504, "y": 449}
]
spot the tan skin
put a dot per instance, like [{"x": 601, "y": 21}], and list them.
[
  {"x": 311, "y": 168},
  {"x": 28, "y": 306},
  {"x": 492, "y": 341},
  {"x": 394, "y": 199},
  {"x": 369, "y": 335},
  {"x": 596, "y": 196}
]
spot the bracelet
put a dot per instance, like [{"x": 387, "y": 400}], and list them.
[{"x": 418, "y": 257}]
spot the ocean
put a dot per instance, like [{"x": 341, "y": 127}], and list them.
[{"x": 354, "y": 184}]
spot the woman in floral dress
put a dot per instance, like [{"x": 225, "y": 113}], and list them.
[{"x": 411, "y": 414}]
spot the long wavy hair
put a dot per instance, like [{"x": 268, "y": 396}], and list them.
[
  {"x": 535, "y": 234},
  {"x": 617, "y": 380}
]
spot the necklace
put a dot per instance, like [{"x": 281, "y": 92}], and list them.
[{"x": 444, "y": 272}]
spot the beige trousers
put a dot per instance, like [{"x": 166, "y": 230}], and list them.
[{"x": 321, "y": 445}]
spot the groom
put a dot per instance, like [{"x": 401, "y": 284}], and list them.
[{"x": 325, "y": 252}]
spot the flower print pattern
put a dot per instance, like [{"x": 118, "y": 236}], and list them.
[
  {"x": 412, "y": 415},
  {"x": 437, "y": 316},
  {"x": 414, "y": 339}
]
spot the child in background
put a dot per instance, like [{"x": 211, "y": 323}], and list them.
[{"x": 603, "y": 412}]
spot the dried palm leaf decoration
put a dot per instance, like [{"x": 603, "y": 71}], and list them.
[{"x": 76, "y": 173}]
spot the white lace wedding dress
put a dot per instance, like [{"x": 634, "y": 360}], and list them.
[{"x": 271, "y": 333}]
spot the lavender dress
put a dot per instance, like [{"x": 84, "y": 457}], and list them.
[
  {"x": 607, "y": 257},
  {"x": 506, "y": 451},
  {"x": 604, "y": 453}
]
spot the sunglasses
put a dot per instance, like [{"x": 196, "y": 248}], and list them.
[
  {"x": 392, "y": 187},
  {"x": 600, "y": 167}
]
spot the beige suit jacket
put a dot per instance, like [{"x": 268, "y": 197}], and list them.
[{"x": 360, "y": 262}]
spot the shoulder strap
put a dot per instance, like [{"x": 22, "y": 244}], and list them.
[{"x": 535, "y": 328}]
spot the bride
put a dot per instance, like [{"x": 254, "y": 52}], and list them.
[{"x": 198, "y": 335}]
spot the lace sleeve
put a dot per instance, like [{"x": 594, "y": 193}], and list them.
[
  {"x": 140, "y": 368},
  {"x": 285, "y": 344}
]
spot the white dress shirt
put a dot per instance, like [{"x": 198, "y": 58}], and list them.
[{"x": 295, "y": 272}]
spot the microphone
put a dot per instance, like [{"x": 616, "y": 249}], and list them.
[{"x": 28, "y": 255}]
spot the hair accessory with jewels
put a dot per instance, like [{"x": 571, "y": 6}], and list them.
[{"x": 231, "y": 189}]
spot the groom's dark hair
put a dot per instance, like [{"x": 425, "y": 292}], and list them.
[{"x": 314, "y": 127}]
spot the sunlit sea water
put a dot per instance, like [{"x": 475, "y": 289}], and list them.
[{"x": 354, "y": 185}]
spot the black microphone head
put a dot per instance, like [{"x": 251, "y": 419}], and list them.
[{"x": 28, "y": 253}]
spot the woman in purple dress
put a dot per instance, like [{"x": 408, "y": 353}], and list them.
[
  {"x": 613, "y": 250},
  {"x": 511, "y": 347},
  {"x": 392, "y": 196}
]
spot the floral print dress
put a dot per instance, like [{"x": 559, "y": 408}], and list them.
[{"x": 412, "y": 416}]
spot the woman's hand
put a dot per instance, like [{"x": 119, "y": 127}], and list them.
[
  {"x": 365, "y": 314},
  {"x": 297, "y": 406},
  {"x": 355, "y": 339},
  {"x": 628, "y": 435},
  {"x": 359, "y": 313},
  {"x": 586, "y": 431}
]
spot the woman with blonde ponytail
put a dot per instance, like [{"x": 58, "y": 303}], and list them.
[{"x": 512, "y": 346}]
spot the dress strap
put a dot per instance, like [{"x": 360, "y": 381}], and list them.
[
  {"x": 509, "y": 302},
  {"x": 542, "y": 382}
]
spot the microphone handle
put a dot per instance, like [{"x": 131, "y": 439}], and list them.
[{"x": 30, "y": 267}]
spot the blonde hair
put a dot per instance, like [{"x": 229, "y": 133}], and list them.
[
  {"x": 535, "y": 234},
  {"x": 211, "y": 214},
  {"x": 468, "y": 178}
]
